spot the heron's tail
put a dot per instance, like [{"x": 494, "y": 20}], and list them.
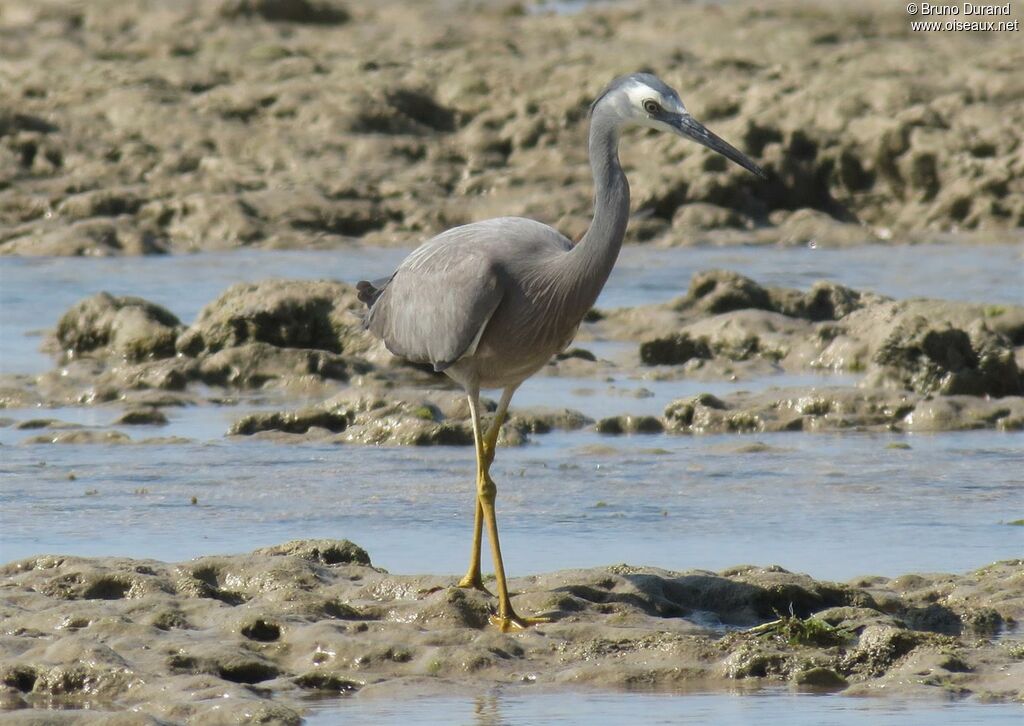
[
  {"x": 370, "y": 290},
  {"x": 368, "y": 294}
]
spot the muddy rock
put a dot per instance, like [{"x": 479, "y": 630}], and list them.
[
  {"x": 410, "y": 418},
  {"x": 169, "y": 374},
  {"x": 94, "y": 237},
  {"x": 745, "y": 334},
  {"x": 673, "y": 349},
  {"x": 326, "y": 551},
  {"x": 280, "y": 313},
  {"x": 323, "y": 12},
  {"x": 727, "y": 315},
  {"x": 923, "y": 355},
  {"x": 543, "y": 420},
  {"x": 926, "y": 346},
  {"x": 824, "y": 301},
  {"x": 253, "y": 365},
  {"x": 393, "y": 124},
  {"x": 142, "y": 417},
  {"x": 838, "y": 409},
  {"x": 272, "y": 334},
  {"x": 630, "y": 425},
  {"x": 408, "y": 431},
  {"x": 275, "y": 626},
  {"x": 127, "y": 327},
  {"x": 816, "y": 228},
  {"x": 79, "y": 436},
  {"x": 720, "y": 291},
  {"x": 297, "y": 422},
  {"x": 362, "y": 418}
]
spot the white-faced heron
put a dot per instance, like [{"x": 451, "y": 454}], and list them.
[{"x": 490, "y": 303}]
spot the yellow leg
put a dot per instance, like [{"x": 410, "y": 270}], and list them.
[
  {"x": 472, "y": 578},
  {"x": 506, "y": 618}
]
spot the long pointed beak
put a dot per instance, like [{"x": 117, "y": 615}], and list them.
[{"x": 691, "y": 128}]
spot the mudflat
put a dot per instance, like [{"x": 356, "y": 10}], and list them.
[
  {"x": 251, "y": 637},
  {"x": 144, "y": 127}
]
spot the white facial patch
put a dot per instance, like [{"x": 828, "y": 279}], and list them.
[{"x": 635, "y": 95}]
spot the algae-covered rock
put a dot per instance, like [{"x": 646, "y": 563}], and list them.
[
  {"x": 123, "y": 326},
  {"x": 819, "y": 677}
]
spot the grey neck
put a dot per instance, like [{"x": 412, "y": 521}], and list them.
[{"x": 595, "y": 254}]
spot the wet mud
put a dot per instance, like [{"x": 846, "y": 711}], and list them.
[
  {"x": 143, "y": 128},
  {"x": 223, "y": 639}
]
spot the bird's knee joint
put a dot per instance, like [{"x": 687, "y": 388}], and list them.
[{"x": 486, "y": 490}]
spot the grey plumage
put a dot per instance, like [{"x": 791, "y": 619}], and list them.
[{"x": 489, "y": 303}]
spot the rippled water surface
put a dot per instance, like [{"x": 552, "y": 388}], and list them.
[
  {"x": 834, "y": 506},
  {"x": 764, "y": 709}
]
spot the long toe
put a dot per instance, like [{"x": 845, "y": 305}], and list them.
[
  {"x": 513, "y": 622},
  {"x": 474, "y": 583}
]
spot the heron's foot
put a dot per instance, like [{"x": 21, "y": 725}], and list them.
[
  {"x": 512, "y": 622},
  {"x": 471, "y": 582}
]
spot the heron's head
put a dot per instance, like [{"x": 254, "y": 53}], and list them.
[{"x": 643, "y": 99}]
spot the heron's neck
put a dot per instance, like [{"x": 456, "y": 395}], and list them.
[{"x": 595, "y": 254}]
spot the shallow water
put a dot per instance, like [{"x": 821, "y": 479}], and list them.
[
  {"x": 35, "y": 292},
  {"x": 835, "y": 506},
  {"x": 771, "y": 708},
  {"x": 832, "y": 505}
]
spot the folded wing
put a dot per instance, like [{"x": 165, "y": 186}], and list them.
[{"x": 437, "y": 304}]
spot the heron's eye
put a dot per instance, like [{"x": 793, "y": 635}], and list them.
[{"x": 651, "y": 106}]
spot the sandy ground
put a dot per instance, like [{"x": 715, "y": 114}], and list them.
[{"x": 248, "y": 638}]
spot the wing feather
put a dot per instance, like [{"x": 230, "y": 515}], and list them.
[{"x": 437, "y": 304}]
